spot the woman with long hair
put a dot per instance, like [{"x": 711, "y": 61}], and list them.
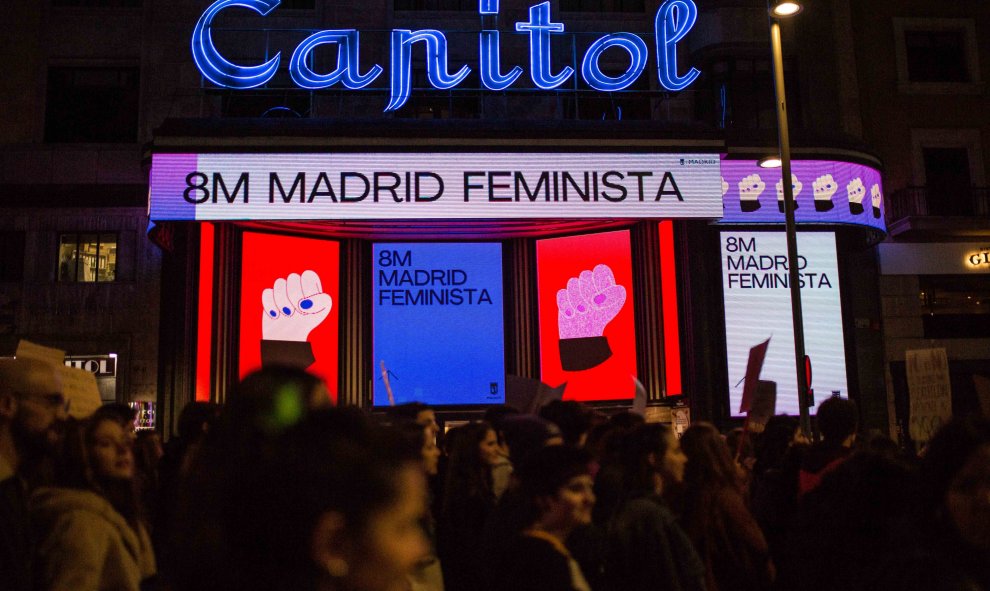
[
  {"x": 90, "y": 526},
  {"x": 715, "y": 517},
  {"x": 468, "y": 501},
  {"x": 646, "y": 549}
]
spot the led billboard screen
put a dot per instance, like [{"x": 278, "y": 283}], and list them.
[
  {"x": 438, "y": 323},
  {"x": 290, "y": 308},
  {"x": 587, "y": 336},
  {"x": 758, "y": 307}
]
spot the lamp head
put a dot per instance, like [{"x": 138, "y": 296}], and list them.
[
  {"x": 770, "y": 162},
  {"x": 784, "y": 8}
]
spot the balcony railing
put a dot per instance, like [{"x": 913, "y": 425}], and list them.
[{"x": 929, "y": 201}]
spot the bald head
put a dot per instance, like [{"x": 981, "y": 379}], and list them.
[
  {"x": 28, "y": 377},
  {"x": 32, "y": 406}
]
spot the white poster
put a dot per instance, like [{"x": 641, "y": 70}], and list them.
[
  {"x": 929, "y": 390},
  {"x": 758, "y": 306}
]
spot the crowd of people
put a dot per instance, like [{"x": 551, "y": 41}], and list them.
[{"x": 280, "y": 490}]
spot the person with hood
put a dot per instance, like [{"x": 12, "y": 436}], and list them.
[{"x": 89, "y": 527}]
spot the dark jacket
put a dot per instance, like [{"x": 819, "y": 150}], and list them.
[
  {"x": 534, "y": 563},
  {"x": 648, "y": 551},
  {"x": 15, "y": 532}
]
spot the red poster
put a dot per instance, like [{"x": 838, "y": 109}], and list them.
[
  {"x": 289, "y": 297},
  {"x": 587, "y": 335}
]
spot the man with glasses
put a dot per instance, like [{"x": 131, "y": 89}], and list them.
[{"x": 32, "y": 408}]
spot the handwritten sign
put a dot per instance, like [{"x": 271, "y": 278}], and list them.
[
  {"x": 80, "y": 389},
  {"x": 29, "y": 350},
  {"x": 930, "y": 394}
]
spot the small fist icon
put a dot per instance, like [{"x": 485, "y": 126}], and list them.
[
  {"x": 590, "y": 301},
  {"x": 856, "y": 192},
  {"x": 750, "y": 189},
  {"x": 725, "y": 187},
  {"x": 824, "y": 187},
  {"x": 796, "y": 187},
  {"x": 876, "y": 197},
  {"x": 293, "y": 307}
]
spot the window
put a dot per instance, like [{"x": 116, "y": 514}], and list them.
[
  {"x": 947, "y": 181},
  {"x": 602, "y": 6},
  {"x": 87, "y": 258},
  {"x": 955, "y": 307},
  {"x": 265, "y": 103},
  {"x": 937, "y": 55},
  {"x": 92, "y": 105},
  {"x": 426, "y": 102},
  {"x": 97, "y": 3},
  {"x": 11, "y": 256},
  {"x": 436, "y": 5},
  {"x": 632, "y": 103},
  {"x": 738, "y": 93}
]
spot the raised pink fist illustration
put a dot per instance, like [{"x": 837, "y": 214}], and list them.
[
  {"x": 590, "y": 301},
  {"x": 294, "y": 306}
]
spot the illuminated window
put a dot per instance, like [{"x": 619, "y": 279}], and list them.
[
  {"x": 11, "y": 256},
  {"x": 87, "y": 258}
]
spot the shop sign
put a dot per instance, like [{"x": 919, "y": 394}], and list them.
[
  {"x": 441, "y": 185},
  {"x": 102, "y": 366},
  {"x": 672, "y": 22},
  {"x": 980, "y": 258},
  {"x": 943, "y": 258}
]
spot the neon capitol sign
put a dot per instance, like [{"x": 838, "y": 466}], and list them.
[{"x": 674, "y": 19}]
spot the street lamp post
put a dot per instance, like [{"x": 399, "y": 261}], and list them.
[{"x": 776, "y": 11}]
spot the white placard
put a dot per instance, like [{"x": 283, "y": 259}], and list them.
[
  {"x": 758, "y": 306},
  {"x": 929, "y": 391}
]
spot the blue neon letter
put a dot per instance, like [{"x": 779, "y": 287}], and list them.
[
  {"x": 436, "y": 64},
  {"x": 491, "y": 76},
  {"x": 213, "y": 66},
  {"x": 594, "y": 76},
  {"x": 348, "y": 62},
  {"x": 540, "y": 27},
  {"x": 674, "y": 19},
  {"x": 487, "y": 6}
]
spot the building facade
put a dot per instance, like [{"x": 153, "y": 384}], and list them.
[
  {"x": 921, "y": 93},
  {"x": 113, "y": 101}
]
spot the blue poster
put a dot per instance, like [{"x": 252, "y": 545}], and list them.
[{"x": 438, "y": 323}]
